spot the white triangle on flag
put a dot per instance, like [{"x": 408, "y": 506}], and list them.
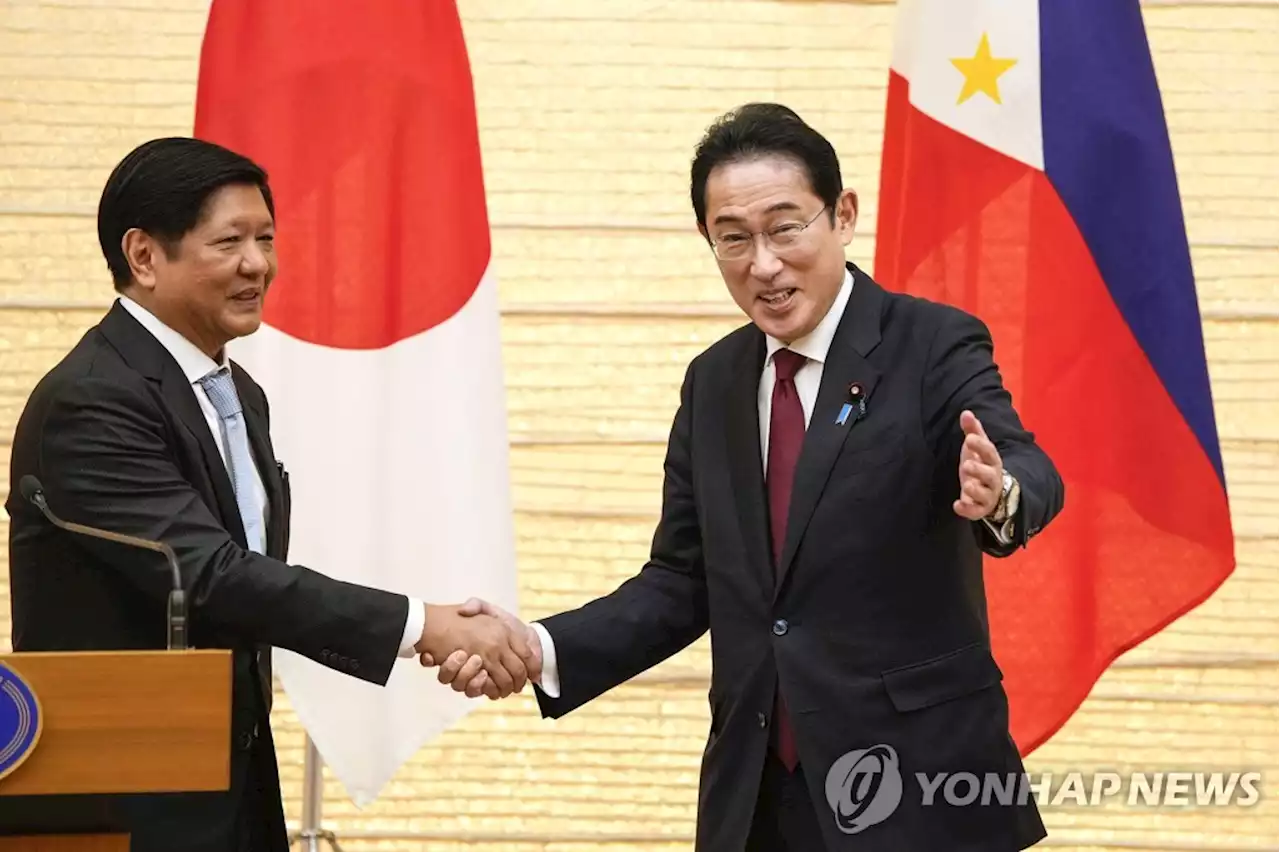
[{"x": 939, "y": 45}]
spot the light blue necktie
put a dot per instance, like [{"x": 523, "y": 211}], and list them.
[{"x": 235, "y": 437}]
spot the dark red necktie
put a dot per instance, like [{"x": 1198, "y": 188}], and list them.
[{"x": 786, "y": 436}]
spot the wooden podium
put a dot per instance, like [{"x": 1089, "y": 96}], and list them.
[{"x": 113, "y": 722}]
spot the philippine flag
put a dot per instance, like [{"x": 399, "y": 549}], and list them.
[
  {"x": 1027, "y": 177},
  {"x": 380, "y": 351}
]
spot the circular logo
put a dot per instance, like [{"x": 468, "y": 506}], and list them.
[
  {"x": 864, "y": 787},
  {"x": 20, "y": 720}
]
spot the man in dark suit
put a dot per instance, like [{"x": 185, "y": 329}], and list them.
[
  {"x": 835, "y": 472},
  {"x": 146, "y": 428}
]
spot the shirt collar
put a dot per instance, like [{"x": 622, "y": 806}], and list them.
[
  {"x": 194, "y": 364},
  {"x": 816, "y": 343}
]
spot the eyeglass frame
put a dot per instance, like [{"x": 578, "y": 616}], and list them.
[{"x": 768, "y": 234}]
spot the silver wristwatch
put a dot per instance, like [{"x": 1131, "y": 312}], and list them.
[{"x": 1001, "y": 519}]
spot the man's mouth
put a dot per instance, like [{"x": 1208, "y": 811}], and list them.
[{"x": 777, "y": 298}]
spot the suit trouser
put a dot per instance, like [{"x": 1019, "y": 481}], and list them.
[
  {"x": 785, "y": 819},
  {"x": 255, "y": 833}
]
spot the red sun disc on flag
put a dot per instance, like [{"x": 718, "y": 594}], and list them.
[{"x": 369, "y": 137}]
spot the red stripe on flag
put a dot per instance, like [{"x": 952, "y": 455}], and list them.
[
  {"x": 368, "y": 131},
  {"x": 1145, "y": 534}
]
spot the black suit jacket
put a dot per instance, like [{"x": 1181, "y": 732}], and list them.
[
  {"x": 118, "y": 439},
  {"x": 875, "y": 626}
]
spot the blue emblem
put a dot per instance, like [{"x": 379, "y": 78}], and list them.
[{"x": 21, "y": 721}]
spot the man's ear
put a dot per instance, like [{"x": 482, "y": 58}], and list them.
[
  {"x": 847, "y": 215},
  {"x": 141, "y": 251}
]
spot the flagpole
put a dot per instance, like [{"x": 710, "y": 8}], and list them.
[{"x": 313, "y": 801}]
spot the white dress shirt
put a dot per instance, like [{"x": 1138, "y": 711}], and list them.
[
  {"x": 195, "y": 365},
  {"x": 814, "y": 346}
]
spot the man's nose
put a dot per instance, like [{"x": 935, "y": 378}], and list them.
[
  {"x": 254, "y": 261},
  {"x": 764, "y": 263}
]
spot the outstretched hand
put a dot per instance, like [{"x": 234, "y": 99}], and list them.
[
  {"x": 981, "y": 471},
  {"x": 468, "y": 672}
]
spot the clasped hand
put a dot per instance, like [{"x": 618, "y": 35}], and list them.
[{"x": 481, "y": 649}]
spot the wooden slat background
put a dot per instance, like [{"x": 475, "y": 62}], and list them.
[{"x": 588, "y": 115}]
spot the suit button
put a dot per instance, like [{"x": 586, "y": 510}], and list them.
[
  {"x": 763, "y": 720},
  {"x": 355, "y": 665},
  {"x": 780, "y": 627},
  {"x": 246, "y": 741}
]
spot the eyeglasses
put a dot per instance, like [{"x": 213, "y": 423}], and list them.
[{"x": 780, "y": 239}]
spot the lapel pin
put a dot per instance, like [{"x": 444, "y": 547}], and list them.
[{"x": 857, "y": 397}]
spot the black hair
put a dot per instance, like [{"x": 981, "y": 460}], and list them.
[
  {"x": 162, "y": 187},
  {"x": 761, "y": 130}
]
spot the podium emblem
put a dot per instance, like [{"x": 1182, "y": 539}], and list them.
[{"x": 21, "y": 721}]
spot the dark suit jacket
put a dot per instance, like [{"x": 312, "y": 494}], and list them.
[
  {"x": 876, "y": 631},
  {"x": 118, "y": 439}
]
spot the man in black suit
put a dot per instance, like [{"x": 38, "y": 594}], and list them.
[
  {"x": 146, "y": 428},
  {"x": 835, "y": 472}
]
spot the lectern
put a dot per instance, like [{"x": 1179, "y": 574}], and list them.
[{"x": 103, "y": 723}]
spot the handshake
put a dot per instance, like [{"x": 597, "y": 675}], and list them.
[{"x": 480, "y": 648}]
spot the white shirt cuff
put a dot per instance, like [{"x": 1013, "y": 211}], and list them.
[
  {"x": 414, "y": 623},
  {"x": 1003, "y": 533},
  {"x": 550, "y": 682}
]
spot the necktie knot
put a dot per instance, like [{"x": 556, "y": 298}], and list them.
[
  {"x": 787, "y": 363},
  {"x": 221, "y": 390}
]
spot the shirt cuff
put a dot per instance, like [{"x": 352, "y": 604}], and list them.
[
  {"x": 550, "y": 681},
  {"x": 414, "y": 623},
  {"x": 1003, "y": 532}
]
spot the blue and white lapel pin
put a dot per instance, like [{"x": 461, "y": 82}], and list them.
[{"x": 857, "y": 399}]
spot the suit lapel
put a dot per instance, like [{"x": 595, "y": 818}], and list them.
[
  {"x": 846, "y": 364},
  {"x": 146, "y": 355},
  {"x": 742, "y": 428},
  {"x": 263, "y": 457},
  {"x": 255, "y": 421}
]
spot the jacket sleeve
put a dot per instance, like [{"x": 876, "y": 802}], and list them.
[
  {"x": 962, "y": 375},
  {"x": 653, "y": 615},
  {"x": 106, "y": 460}
]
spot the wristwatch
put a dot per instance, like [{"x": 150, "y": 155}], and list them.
[
  {"x": 1001, "y": 519},
  {"x": 1007, "y": 505}
]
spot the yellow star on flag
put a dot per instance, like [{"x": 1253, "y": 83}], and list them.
[{"x": 981, "y": 71}]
